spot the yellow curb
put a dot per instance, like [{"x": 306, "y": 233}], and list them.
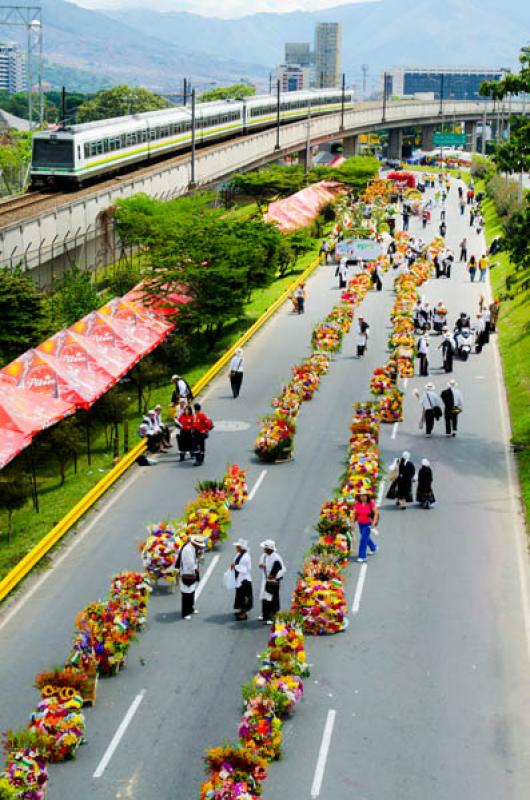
[{"x": 31, "y": 559}]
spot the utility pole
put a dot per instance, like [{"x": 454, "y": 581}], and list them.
[
  {"x": 270, "y": 82},
  {"x": 364, "y": 69},
  {"x": 192, "y": 177},
  {"x": 308, "y": 140},
  {"x": 383, "y": 119},
  {"x": 185, "y": 92},
  {"x": 278, "y": 114},
  {"x": 343, "y": 100},
  {"x": 63, "y": 104}
]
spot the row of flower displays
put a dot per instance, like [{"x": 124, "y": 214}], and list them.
[
  {"x": 104, "y": 632},
  {"x": 319, "y": 604},
  {"x": 275, "y": 440}
]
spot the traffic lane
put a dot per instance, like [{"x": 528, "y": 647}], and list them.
[
  {"x": 286, "y": 507},
  {"x": 160, "y": 492}
]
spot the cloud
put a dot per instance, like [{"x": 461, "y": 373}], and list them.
[{"x": 228, "y": 8}]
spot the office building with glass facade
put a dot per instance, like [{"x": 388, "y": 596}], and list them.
[{"x": 453, "y": 83}]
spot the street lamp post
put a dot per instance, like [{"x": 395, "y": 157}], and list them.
[
  {"x": 278, "y": 110},
  {"x": 384, "y": 96},
  {"x": 193, "y": 110},
  {"x": 343, "y": 99}
]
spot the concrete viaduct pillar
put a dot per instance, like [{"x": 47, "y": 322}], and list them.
[
  {"x": 351, "y": 146},
  {"x": 395, "y": 143},
  {"x": 470, "y": 127},
  {"x": 426, "y": 137}
]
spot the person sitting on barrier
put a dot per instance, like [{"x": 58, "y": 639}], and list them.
[{"x": 164, "y": 429}]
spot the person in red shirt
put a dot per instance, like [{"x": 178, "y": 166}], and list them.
[
  {"x": 202, "y": 425},
  {"x": 184, "y": 423},
  {"x": 365, "y": 514}
]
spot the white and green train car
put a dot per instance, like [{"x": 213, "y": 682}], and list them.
[{"x": 74, "y": 154}]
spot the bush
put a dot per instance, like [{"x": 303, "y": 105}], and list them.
[
  {"x": 504, "y": 195},
  {"x": 482, "y": 168}
]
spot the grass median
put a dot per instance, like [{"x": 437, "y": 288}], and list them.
[{"x": 56, "y": 500}]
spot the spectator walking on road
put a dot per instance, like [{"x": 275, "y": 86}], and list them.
[
  {"x": 471, "y": 217},
  {"x": 202, "y": 425},
  {"x": 431, "y": 407},
  {"x": 362, "y": 336},
  {"x": 443, "y": 229},
  {"x": 447, "y": 348},
  {"x": 463, "y": 250},
  {"x": 342, "y": 272},
  {"x": 424, "y": 493},
  {"x": 462, "y": 206},
  {"x": 422, "y": 349},
  {"x": 300, "y": 298},
  {"x": 188, "y": 566},
  {"x": 472, "y": 267},
  {"x": 405, "y": 475},
  {"x": 242, "y": 566},
  {"x": 366, "y": 514},
  {"x": 273, "y": 570},
  {"x": 236, "y": 372},
  {"x": 483, "y": 267},
  {"x": 453, "y": 406},
  {"x": 479, "y": 329},
  {"x": 495, "y": 308}
]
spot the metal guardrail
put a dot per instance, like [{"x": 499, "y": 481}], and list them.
[{"x": 31, "y": 559}]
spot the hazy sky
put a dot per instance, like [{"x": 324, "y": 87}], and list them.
[{"x": 218, "y": 8}]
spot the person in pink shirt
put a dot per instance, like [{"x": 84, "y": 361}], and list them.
[{"x": 366, "y": 514}]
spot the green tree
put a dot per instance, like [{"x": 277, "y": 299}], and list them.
[
  {"x": 118, "y": 102},
  {"x": 73, "y": 296},
  {"x": 63, "y": 443},
  {"x": 270, "y": 183},
  {"x": 14, "y": 493},
  {"x": 235, "y": 92},
  {"x": 23, "y": 314},
  {"x": 516, "y": 238},
  {"x": 15, "y": 155},
  {"x": 110, "y": 410}
]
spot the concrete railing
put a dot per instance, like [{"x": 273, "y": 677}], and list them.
[{"x": 44, "y": 231}]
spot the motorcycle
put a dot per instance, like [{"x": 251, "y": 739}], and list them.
[{"x": 464, "y": 343}]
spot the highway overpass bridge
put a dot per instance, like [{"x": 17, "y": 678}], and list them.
[{"x": 76, "y": 227}]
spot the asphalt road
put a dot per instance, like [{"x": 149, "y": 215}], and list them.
[{"x": 430, "y": 681}]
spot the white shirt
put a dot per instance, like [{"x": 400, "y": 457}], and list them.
[
  {"x": 268, "y": 562},
  {"x": 343, "y": 268},
  {"x": 243, "y": 569},
  {"x": 362, "y": 337},
  {"x": 457, "y": 397},
  {"x": 182, "y": 388},
  {"x": 430, "y": 399},
  {"x": 236, "y": 364},
  {"x": 158, "y": 419},
  {"x": 188, "y": 566},
  {"x": 423, "y": 346}
]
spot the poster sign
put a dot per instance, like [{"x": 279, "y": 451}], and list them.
[
  {"x": 365, "y": 249},
  {"x": 448, "y": 139}
]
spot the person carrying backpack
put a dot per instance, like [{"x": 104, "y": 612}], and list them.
[{"x": 202, "y": 425}]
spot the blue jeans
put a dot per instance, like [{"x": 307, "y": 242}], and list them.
[{"x": 365, "y": 541}]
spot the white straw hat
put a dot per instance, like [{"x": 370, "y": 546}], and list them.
[
  {"x": 268, "y": 544},
  {"x": 242, "y": 543}
]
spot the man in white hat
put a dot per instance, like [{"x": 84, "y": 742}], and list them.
[
  {"x": 273, "y": 570},
  {"x": 447, "y": 348},
  {"x": 431, "y": 405},
  {"x": 182, "y": 390},
  {"x": 188, "y": 564},
  {"x": 453, "y": 405},
  {"x": 236, "y": 372},
  {"x": 242, "y": 566}
]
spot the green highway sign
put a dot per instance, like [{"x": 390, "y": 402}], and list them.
[{"x": 448, "y": 139}]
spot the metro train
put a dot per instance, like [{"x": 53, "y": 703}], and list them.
[{"x": 73, "y": 154}]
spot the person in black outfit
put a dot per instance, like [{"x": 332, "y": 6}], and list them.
[
  {"x": 453, "y": 404},
  {"x": 424, "y": 493},
  {"x": 406, "y": 473},
  {"x": 273, "y": 569},
  {"x": 447, "y": 352}
]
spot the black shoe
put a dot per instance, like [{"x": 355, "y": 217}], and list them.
[{"x": 182, "y": 456}]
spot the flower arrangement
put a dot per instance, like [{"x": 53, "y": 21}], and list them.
[
  {"x": 275, "y": 439},
  {"x": 7, "y": 791},
  {"x": 355, "y": 484},
  {"x": 319, "y": 362},
  {"x": 335, "y": 518},
  {"x": 288, "y": 403},
  {"x": 111, "y": 633},
  {"x": 342, "y": 315},
  {"x": 236, "y": 773},
  {"x": 25, "y": 769},
  {"x": 287, "y": 638},
  {"x": 67, "y": 682},
  {"x": 327, "y": 336},
  {"x": 62, "y": 721},
  {"x": 365, "y": 419},
  {"x": 235, "y": 484},
  {"x": 305, "y": 380},
  {"x": 381, "y": 380},
  {"x": 159, "y": 551},
  {"x": 336, "y": 546},
  {"x": 319, "y": 598},
  {"x": 260, "y": 730},
  {"x": 391, "y": 406},
  {"x": 285, "y": 690},
  {"x": 131, "y": 590},
  {"x": 208, "y": 516},
  {"x": 364, "y": 463}
]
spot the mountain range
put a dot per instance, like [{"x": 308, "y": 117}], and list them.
[{"x": 157, "y": 49}]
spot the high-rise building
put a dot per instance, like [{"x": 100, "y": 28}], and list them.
[
  {"x": 298, "y": 53},
  {"x": 293, "y": 77},
  {"x": 12, "y": 68},
  {"x": 327, "y": 55},
  {"x": 455, "y": 83}
]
